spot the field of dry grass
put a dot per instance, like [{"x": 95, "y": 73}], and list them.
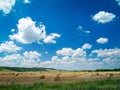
[{"x": 63, "y": 77}]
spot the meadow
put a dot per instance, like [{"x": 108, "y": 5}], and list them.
[
  {"x": 59, "y": 80},
  {"x": 86, "y": 85}
]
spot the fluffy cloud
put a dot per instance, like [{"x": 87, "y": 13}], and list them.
[
  {"x": 11, "y": 60},
  {"x": 77, "y": 60},
  {"x": 65, "y": 52},
  {"x": 104, "y": 17},
  {"x": 50, "y": 38},
  {"x": 104, "y": 59},
  {"x": 6, "y": 5},
  {"x": 71, "y": 59},
  {"x": 26, "y": 1},
  {"x": 79, "y": 52},
  {"x": 9, "y": 47},
  {"x": 102, "y": 40},
  {"x": 28, "y": 32},
  {"x": 118, "y": 2},
  {"x": 32, "y": 55},
  {"x": 107, "y": 52},
  {"x": 110, "y": 57},
  {"x": 27, "y": 59},
  {"x": 67, "y": 59},
  {"x": 31, "y": 59},
  {"x": 12, "y": 57},
  {"x": 86, "y": 46}
]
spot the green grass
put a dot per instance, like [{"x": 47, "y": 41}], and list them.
[{"x": 88, "y": 85}]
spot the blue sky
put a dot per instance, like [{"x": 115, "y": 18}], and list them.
[{"x": 62, "y": 34}]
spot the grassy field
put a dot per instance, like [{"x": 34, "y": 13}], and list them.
[
  {"x": 59, "y": 80},
  {"x": 89, "y": 85}
]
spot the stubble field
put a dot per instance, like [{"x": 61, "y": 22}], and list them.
[{"x": 7, "y": 78}]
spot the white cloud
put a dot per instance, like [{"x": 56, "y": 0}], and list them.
[
  {"x": 11, "y": 57},
  {"x": 31, "y": 59},
  {"x": 87, "y": 31},
  {"x": 26, "y": 1},
  {"x": 12, "y": 30},
  {"x": 27, "y": 59},
  {"x": 31, "y": 55},
  {"x": 77, "y": 60},
  {"x": 9, "y": 47},
  {"x": 50, "y": 38},
  {"x": 79, "y": 52},
  {"x": 104, "y": 17},
  {"x": 86, "y": 46},
  {"x": 107, "y": 52},
  {"x": 105, "y": 59},
  {"x": 118, "y": 1},
  {"x": 110, "y": 57},
  {"x": 65, "y": 52},
  {"x": 28, "y": 32},
  {"x": 11, "y": 60},
  {"x": 102, "y": 40},
  {"x": 66, "y": 58},
  {"x": 29, "y": 63},
  {"x": 6, "y": 5}
]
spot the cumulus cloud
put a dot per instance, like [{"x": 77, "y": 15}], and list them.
[
  {"x": 67, "y": 59},
  {"x": 65, "y": 52},
  {"x": 107, "y": 52},
  {"x": 50, "y": 38},
  {"x": 102, "y": 40},
  {"x": 7, "y": 5},
  {"x": 27, "y": 59},
  {"x": 70, "y": 59},
  {"x": 64, "y": 57},
  {"x": 32, "y": 55},
  {"x": 11, "y": 60},
  {"x": 9, "y": 47},
  {"x": 111, "y": 57},
  {"x": 86, "y": 46},
  {"x": 26, "y": 1},
  {"x": 28, "y": 32},
  {"x": 13, "y": 57},
  {"x": 77, "y": 60},
  {"x": 79, "y": 52},
  {"x": 104, "y": 17}
]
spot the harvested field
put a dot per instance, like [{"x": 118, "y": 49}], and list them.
[{"x": 64, "y": 77}]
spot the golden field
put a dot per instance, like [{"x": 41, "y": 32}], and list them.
[{"x": 11, "y": 77}]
